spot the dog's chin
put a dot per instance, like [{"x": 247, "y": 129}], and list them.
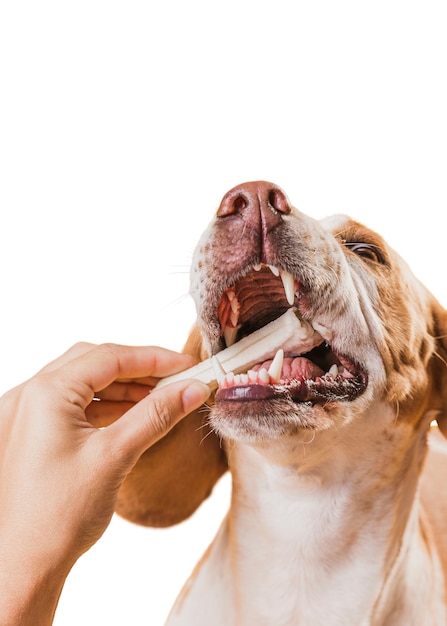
[{"x": 266, "y": 420}]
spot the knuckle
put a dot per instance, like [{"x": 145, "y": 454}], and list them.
[
  {"x": 111, "y": 347},
  {"x": 114, "y": 352},
  {"x": 81, "y": 346},
  {"x": 37, "y": 391},
  {"x": 160, "y": 415}
]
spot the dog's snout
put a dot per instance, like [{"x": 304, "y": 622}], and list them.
[{"x": 256, "y": 200}]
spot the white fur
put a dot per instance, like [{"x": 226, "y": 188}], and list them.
[{"x": 308, "y": 543}]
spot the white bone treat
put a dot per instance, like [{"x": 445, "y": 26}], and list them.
[{"x": 287, "y": 332}]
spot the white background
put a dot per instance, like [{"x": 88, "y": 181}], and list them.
[{"x": 122, "y": 124}]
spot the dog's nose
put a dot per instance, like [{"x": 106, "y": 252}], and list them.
[{"x": 258, "y": 202}]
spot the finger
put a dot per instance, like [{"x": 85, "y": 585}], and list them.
[
  {"x": 111, "y": 403},
  {"x": 118, "y": 392},
  {"x": 102, "y": 413},
  {"x": 149, "y": 381},
  {"x": 153, "y": 417},
  {"x": 104, "y": 364}
]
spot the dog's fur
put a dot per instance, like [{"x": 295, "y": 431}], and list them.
[{"x": 338, "y": 506}]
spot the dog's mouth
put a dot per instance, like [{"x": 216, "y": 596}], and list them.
[{"x": 317, "y": 376}]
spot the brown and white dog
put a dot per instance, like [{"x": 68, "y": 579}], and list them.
[{"x": 338, "y": 508}]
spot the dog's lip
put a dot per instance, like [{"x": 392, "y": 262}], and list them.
[
  {"x": 298, "y": 391},
  {"x": 301, "y": 380}
]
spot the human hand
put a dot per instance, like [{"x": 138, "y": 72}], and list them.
[{"x": 60, "y": 470}]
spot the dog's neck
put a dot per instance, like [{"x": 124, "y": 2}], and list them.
[{"x": 312, "y": 541}]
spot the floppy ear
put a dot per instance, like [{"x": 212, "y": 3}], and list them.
[
  {"x": 439, "y": 363},
  {"x": 175, "y": 475}
]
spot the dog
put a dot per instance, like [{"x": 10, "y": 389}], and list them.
[{"x": 338, "y": 507}]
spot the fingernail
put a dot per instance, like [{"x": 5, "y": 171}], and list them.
[{"x": 195, "y": 395}]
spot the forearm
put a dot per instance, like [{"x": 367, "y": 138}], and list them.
[{"x": 29, "y": 594}]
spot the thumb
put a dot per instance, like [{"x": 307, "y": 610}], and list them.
[{"x": 155, "y": 415}]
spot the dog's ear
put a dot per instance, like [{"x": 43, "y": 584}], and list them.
[
  {"x": 439, "y": 364},
  {"x": 174, "y": 476}
]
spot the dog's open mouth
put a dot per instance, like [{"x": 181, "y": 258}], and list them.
[{"x": 317, "y": 376}]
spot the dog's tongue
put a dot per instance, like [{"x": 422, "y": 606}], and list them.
[{"x": 294, "y": 368}]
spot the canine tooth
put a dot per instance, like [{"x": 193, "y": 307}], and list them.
[
  {"x": 333, "y": 371},
  {"x": 263, "y": 375},
  {"x": 257, "y": 267},
  {"x": 287, "y": 332},
  {"x": 289, "y": 286},
  {"x": 274, "y": 270},
  {"x": 230, "y": 335},
  {"x": 276, "y": 366},
  {"x": 218, "y": 369}
]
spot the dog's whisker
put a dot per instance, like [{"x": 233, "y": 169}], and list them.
[
  {"x": 442, "y": 359},
  {"x": 397, "y": 410},
  {"x": 313, "y": 435},
  {"x": 208, "y": 434},
  {"x": 201, "y": 427},
  {"x": 177, "y": 301}
]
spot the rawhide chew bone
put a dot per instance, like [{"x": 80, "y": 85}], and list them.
[{"x": 287, "y": 332}]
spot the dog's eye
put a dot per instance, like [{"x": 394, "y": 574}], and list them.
[{"x": 366, "y": 251}]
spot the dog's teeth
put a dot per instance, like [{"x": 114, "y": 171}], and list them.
[
  {"x": 275, "y": 368},
  {"x": 257, "y": 267},
  {"x": 218, "y": 369},
  {"x": 230, "y": 335},
  {"x": 333, "y": 371},
  {"x": 234, "y": 304},
  {"x": 229, "y": 379},
  {"x": 274, "y": 270},
  {"x": 234, "y": 317},
  {"x": 289, "y": 286},
  {"x": 252, "y": 376},
  {"x": 263, "y": 376},
  {"x": 232, "y": 297}
]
